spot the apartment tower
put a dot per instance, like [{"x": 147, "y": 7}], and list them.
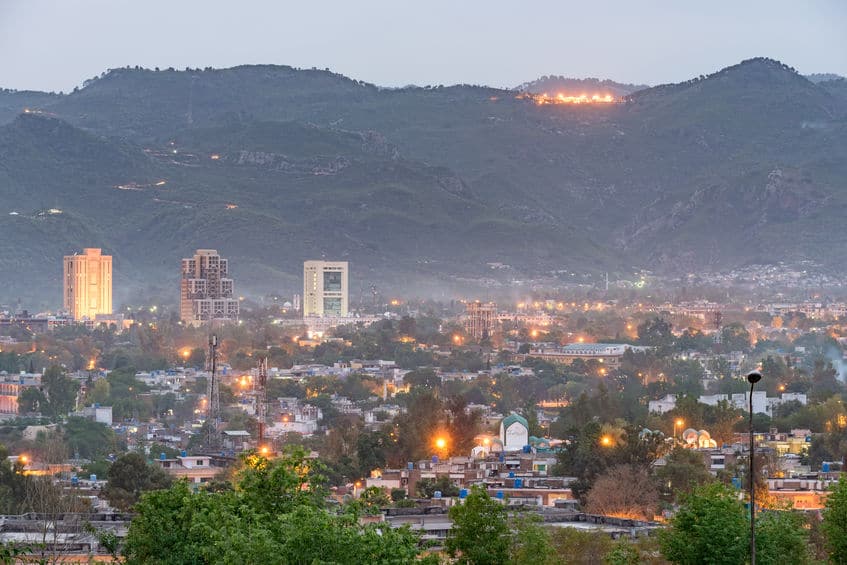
[
  {"x": 206, "y": 289},
  {"x": 87, "y": 284}
]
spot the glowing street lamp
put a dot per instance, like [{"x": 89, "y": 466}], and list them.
[
  {"x": 678, "y": 423},
  {"x": 440, "y": 443},
  {"x": 606, "y": 440}
]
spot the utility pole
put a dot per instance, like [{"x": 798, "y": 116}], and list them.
[{"x": 752, "y": 378}]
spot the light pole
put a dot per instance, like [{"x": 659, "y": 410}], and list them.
[
  {"x": 678, "y": 423},
  {"x": 752, "y": 378}
]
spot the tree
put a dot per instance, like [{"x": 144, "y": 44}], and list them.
[
  {"x": 735, "y": 337},
  {"x": 130, "y": 476},
  {"x": 426, "y": 487},
  {"x": 530, "y": 543},
  {"x": 61, "y": 391},
  {"x": 32, "y": 400},
  {"x": 277, "y": 515},
  {"x": 710, "y": 527},
  {"x": 639, "y": 500},
  {"x": 88, "y": 439},
  {"x": 834, "y": 525},
  {"x": 684, "y": 470},
  {"x": 655, "y": 332},
  {"x": 781, "y": 537},
  {"x": 480, "y": 532},
  {"x": 426, "y": 378}
]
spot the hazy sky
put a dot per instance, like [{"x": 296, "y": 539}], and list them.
[{"x": 56, "y": 44}]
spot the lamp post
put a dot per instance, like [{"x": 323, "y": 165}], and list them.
[
  {"x": 752, "y": 378},
  {"x": 678, "y": 423}
]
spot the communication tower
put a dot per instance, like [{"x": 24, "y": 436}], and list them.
[{"x": 213, "y": 394}]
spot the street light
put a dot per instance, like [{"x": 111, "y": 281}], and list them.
[
  {"x": 606, "y": 441},
  {"x": 678, "y": 423},
  {"x": 753, "y": 377}
]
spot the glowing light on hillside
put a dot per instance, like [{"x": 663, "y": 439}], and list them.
[
  {"x": 570, "y": 99},
  {"x": 606, "y": 441}
]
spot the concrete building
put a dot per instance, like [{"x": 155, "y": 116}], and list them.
[
  {"x": 479, "y": 319},
  {"x": 325, "y": 288},
  {"x": 206, "y": 291},
  {"x": 87, "y": 283},
  {"x": 607, "y": 354}
]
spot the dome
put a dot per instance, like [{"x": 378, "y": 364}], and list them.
[{"x": 512, "y": 418}]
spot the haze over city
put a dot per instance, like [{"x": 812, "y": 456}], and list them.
[{"x": 438, "y": 283}]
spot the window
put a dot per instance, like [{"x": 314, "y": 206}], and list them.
[
  {"x": 332, "y": 281},
  {"x": 332, "y": 306}
]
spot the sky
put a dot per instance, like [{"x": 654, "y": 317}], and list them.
[{"x": 57, "y": 44}]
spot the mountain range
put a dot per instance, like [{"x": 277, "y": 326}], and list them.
[{"x": 423, "y": 189}]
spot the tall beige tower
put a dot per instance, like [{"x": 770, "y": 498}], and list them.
[
  {"x": 206, "y": 291},
  {"x": 324, "y": 288},
  {"x": 87, "y": 284}
]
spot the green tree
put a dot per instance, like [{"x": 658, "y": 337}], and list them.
[
  {"x": 129, "y": 476},
  {"x": 480, "y": 532},
  {"x": 834, "y": 525},
  {"x": 655, "y": 332},
  {"x": 88, "y": 439},
  {"x": 735, "y": 337},
  {"x": 276, "y": 515},
  {"x": 530, "y": 542},
  {"x": 61, "y": 391},
  {"x": 709, "y": 527},
  {"x": 781, "y": 537},
  {"x": 426, "y": 487},
  {"x": 683, "y": 471},
  {"x": 33, "y": 400}
]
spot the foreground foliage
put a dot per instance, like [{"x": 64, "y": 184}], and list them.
[{"x": 276, "y": 514}]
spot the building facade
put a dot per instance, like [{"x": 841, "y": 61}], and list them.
[
  {"x": 206, "y": 291},
  {"x": 479, "y": 319},
  {"x": 87, "y": 284},
  {"x": 325, "y": 288}
]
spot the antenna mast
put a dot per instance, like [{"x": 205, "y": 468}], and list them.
[
  {"x": 261, "y": 400},
  {"x": 213, "y": 415}
]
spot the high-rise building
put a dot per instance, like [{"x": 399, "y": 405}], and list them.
[
  {"x": 324, "y": 288},
  {"x": 87, "y": 284},
  {"x": 206, "y": 290},
  {"x": 479, "y": 319}
]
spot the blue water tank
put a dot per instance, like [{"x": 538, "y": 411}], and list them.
[
  {"x": 183, "y": 453},
  {"x": 825, "y": 467},
  {"x": 518, "y": 483},
  {"x": 435, "y": 458},
  {"x": 74, "y": 480},
  {"x": 162, "y": 456},
  {"x": 502, "y": 458},
  {"x": 511, "y": 474},
  {"x": 527, "y": 449},
  {"x": 436, "y": 494},
  {"x": 410, "y": 465},
  {"x": 463, "y": 493},
  {"x": 500, "y": 495},
  {"x": 92, "y": 478},
  {"x": 736, "y": 482}
]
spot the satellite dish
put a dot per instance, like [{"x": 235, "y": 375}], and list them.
[{"x": 689, "y": 436}]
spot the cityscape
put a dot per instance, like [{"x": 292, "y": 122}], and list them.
[{"x": 269, "y": 314}]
